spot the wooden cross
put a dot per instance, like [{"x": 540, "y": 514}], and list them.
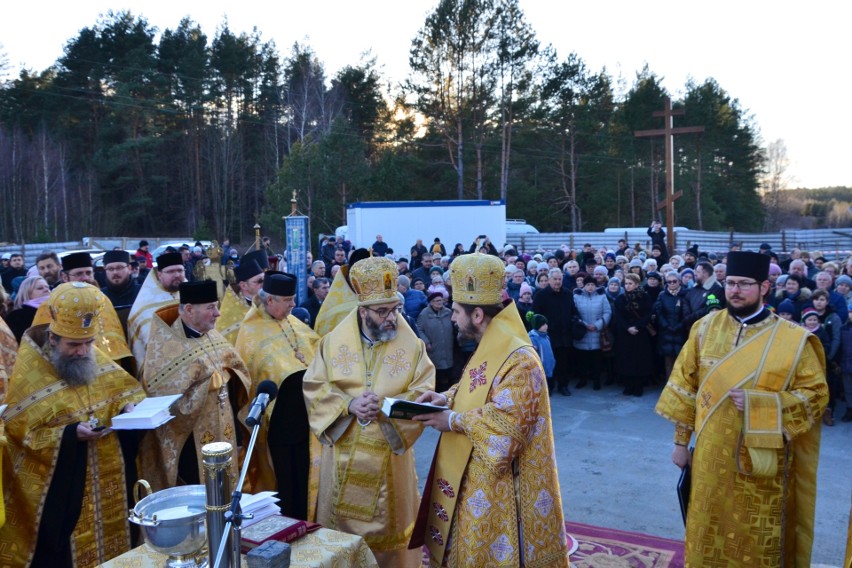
[{"x": 668, "y": 131}]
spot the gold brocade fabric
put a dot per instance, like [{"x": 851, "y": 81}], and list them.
[
  {"x": 110, "y": 338},
  {"x": 323, "y": 547},
  {"x": 152, "y": 296},
  {"x": 40, "y": 407},
  {"x": 339, "y": 302},
  {"x": 8, "y": 353},
  {"x": 201, "y": 370},
  {"x": 233, "y": 309},
  {"x": 368, "y": 485},
  {"x": 848, "y": 562},
  {"x": 510, "y": 475},
  {"x": 263, "y": 343},
  {"x": 753, "y": 472}
]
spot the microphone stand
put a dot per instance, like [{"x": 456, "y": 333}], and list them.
[{"x": 235, "y": 516}]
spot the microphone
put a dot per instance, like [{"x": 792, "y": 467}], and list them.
[{"x": 266, "y": 391}]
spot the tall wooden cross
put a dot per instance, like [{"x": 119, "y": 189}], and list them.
[{"x": 669, "y": 131}]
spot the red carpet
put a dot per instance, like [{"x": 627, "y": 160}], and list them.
[{"x": 600, "y": 547}]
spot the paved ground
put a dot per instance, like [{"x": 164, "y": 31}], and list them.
[{"x": 615, "y": 468}]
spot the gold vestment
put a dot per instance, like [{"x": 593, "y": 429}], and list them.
[
  {"x": 152, "y": 296},
  {"x": 200, "y": 369},
  {"x": 233, "y": 310},
  {"x": 40, "y": 408},
  {"x": 754, "y": 471},
  {"x": 338, "y": 304},
  {"x": 368, "y": 485}
]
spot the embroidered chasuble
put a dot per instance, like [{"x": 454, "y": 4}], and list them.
[
  {"x": 233, "y": 310},
  {"x": 110, "y": 338},
  {"x": 753, "y": 472},
  {"x": 49, "y": 475},
  {"x": 280, "y": 352},
  {"x": 8, "y": 353},
  {"x": 208, "y": 372},
  {"x": 493, "y": 497},
  {"x": 339, "y": 302},
  {"x": 368, "y": 485},
  {"x": 152, "y": 296}
]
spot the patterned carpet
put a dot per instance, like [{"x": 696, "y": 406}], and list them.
[{"x": 600, "y": 547}]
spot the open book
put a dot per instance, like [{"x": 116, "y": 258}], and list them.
[
  {"x": 148, "y": 414},
  {"x": 405, "y": 409}
]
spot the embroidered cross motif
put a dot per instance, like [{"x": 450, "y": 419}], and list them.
[
  {"x": 705, "y": 399},
  {"x": 344, "y": 360},
  {"x": 397, "y": 362},
  {"x": 477, "y": 376},
  {"x": 440, "y": 511},
  {"x": 446, "y": 488},
  {"x": 436, "y": 535}
]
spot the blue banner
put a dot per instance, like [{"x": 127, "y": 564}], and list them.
[{"x": 296, "y": 231}]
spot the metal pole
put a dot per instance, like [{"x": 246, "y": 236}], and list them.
[{"x": 216, "y": 458}]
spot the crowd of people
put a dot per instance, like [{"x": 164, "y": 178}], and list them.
[{"x": 488, "y": 333}]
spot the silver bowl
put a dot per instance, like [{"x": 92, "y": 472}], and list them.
[{"x": 173, "y": 521}]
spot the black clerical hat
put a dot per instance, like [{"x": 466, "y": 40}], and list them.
[
  {"x": 247, "y": 269},
  {"x": 259, "y": 256},
  {"x": 279, "y": 283},
  {"x": 169, "y": 259},
  {"x": 76, "y": 260},
  {"x": 116, "y": 256},
  {"x": 748, "y": 265},
  {"x": 200, "y": 292}
]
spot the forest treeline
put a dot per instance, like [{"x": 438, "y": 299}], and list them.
[{"x": 142, "y": 131}]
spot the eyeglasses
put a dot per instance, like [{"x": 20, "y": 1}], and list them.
[
  {"x": 742, "y": 285},
  {"x": 384, "y": 313},
  {"x": 672, "y": 281}
]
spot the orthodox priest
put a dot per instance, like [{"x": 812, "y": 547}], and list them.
[
  {"x": 159, "y": 290},
  {"x": 64, "y": 473},
  {"x": 109, "y": 331},
  {"x": 341, "y": 298},
  {"x": 492, "y": 497},
  {"x": 751, "y": 387},
  {"x": 186, "y": 355},
  {"x": 249, "y": 276},
  {"x": 368, "y": 485},
  {"x": 278, "y": 347}
]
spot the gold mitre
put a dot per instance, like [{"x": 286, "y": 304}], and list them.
[
  {"x": 74, "y": 309},
  {"x": 477, "y": 279},
  {"x": 374, "y": 280}
]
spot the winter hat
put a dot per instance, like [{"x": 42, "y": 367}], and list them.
[
  {"x": 689, "y": 271},
  {"x": 635, "y": 262},
  {"x": 589, "y": 279},
  {"x": 532, "y": 266},
  {"x": 614, "y": 279},
  {"x": 774, "y": 269},
  {"x": 525, "y": 288},
  {"x": 807, "y": 312},
  {"x": 620, "y": 258},
  {"x": 538, "y": 320},
  {"x": 610, "y": 255},
  {"x": 655, "y": 275},
  {"x": 600, "y": 270},
  {"x": 843, "y": 279},
  {"x": 786, "y": 307}
]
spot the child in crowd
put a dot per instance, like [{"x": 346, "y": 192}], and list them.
[
  {"x": 785, "y": 309},
  {"x": 541, "y": 343}
]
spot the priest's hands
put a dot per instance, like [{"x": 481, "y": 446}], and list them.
[
  {"x": 365, "y": 406},
  {"x": 681, "y": 456},
  {"x": 738, "y": 397},
  {"x": 432, "y": 397},
  {"x": 440, "y": 421},
  {"x": 86, "y": 433}
]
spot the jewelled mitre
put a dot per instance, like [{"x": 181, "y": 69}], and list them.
[
  {"x": 74, "y": 309},
  {"x": 374, "y": 280},
  {"x": 477, "y": 279}
]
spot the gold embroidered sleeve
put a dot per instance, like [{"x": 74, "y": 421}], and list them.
[
  {"x": 677, "y": 401},
  {"x": 401, "y": 434},
  {"x": 500, "y": 429},
  {"x": 803, "y": 405}
]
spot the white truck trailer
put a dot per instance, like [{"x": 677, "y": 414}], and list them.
[{"x": 401, "y": 223}]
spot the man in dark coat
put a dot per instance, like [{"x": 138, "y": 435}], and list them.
[
  {"x": 121, "y": 288},
  {"x": 696, "y": 299},
  {"x": 556, "y": 303}
]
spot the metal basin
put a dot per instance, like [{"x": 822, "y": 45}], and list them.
[{"x": 173, "y": 520}]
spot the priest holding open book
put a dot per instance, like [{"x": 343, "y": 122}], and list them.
[{"x": 368, "y": 484}]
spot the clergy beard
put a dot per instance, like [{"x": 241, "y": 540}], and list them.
[
  {"x": 376, "y": 331},
  {"x": 745, "y": 310},
  {"x": 466, "y": 333},
  {"x": 76, "y": 371}
]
